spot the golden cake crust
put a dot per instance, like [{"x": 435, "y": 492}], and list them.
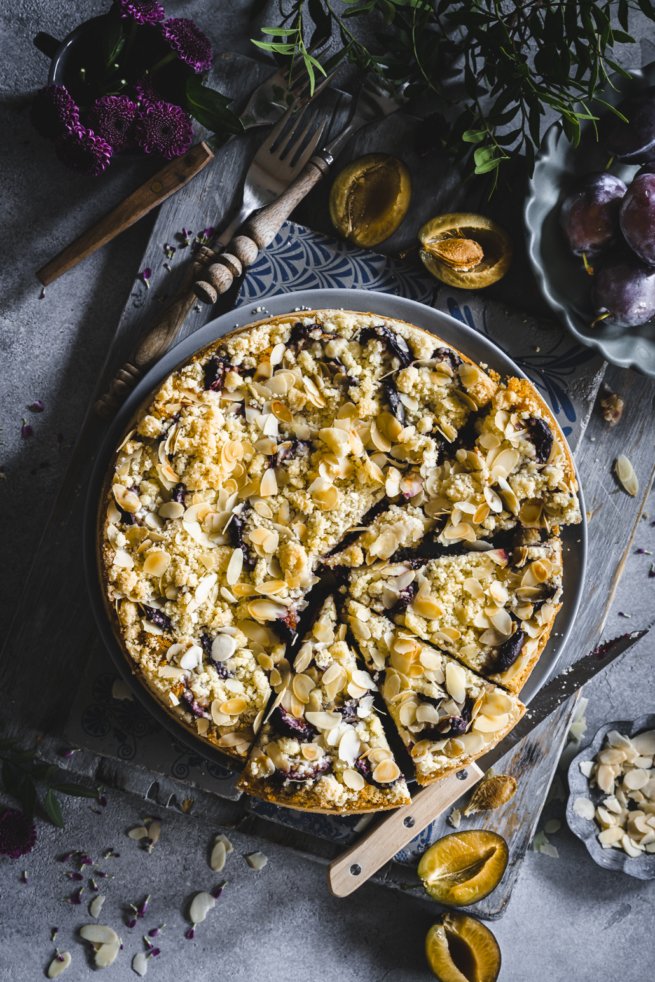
[{"x": 222, "y": 701}]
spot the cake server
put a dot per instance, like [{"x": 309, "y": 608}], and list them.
[{"x": 355, "y": 866}]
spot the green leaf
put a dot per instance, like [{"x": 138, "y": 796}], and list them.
[
  {"x": 281, "y": 32},
  {"x": 211, "y": 109},
  {"x": 473, "y": 136},
  {"x": 74, "y": 790},
  {"x": 489, "y": 165},
  {"x": 52, "y": 808},
  {"x": 113, "y": 41}
]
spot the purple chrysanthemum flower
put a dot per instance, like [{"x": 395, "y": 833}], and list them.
[
  {"x": 17, "y": 833},
  {"x": 112, "y": 117},
  {"x": 141, "y": 11},
  {"x": 189, "y": 43},
  {"x": 54, "y": 112},
  {"x": 84, "y": 151},
  {"x": 164, "y": 128}
]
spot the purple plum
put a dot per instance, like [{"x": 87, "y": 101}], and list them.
[{"x": 589, "y": 215}]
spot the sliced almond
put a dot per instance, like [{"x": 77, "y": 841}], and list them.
[
  {"x": 625, "y": 473},
  {"x": 59, "y": 964},
  {"x": 353, "y": 779},
  {"x": 200, "y": 906},
  {"x": 386, "y": 772}
]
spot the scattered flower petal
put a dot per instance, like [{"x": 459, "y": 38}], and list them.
[
  {"x": 17, "y": 833},
  {"x": 37, "y": 406},
  {"x": 26, "y": 430}
]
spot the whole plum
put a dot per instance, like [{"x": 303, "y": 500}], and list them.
[
  {"x": 637, "y": 217},
  {"x": 589, "y": 215},
  {"x": 624, "y": 293},
  {"x": 634, "y": 141}
]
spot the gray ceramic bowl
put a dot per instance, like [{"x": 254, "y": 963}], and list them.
[
  {"x": 559, "y": 273},
  {"x": 642, "y": 867}
]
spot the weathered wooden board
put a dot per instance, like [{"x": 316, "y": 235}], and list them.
[{"x": 54, "y": 606}]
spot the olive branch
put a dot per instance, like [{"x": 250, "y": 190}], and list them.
[{"x": 497, "y": 66}]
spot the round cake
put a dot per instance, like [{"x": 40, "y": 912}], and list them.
[{"x": 328, "y": 526}]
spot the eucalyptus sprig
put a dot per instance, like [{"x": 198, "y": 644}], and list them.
[
  {"x": 35, "y": 784},
  {"x": 512, "y": 60}
]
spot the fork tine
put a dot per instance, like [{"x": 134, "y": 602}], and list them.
[
  {"x": 296, "y": 133},
  {"x": 276, "y": 132},
  {"x": 301, "y": 154}
]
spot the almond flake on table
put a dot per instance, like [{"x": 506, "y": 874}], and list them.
[
  {"x": 200, "y": 906},
  {"x": 256, "y": 860},
  {"x": 140, "y": 963},
  {"x": 59, "y": 964}
]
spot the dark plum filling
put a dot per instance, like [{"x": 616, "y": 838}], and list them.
[
  {"x": 178, "y": 493},
  {"x": 215, "y": 371},
  {"x": 394, "y": 343},
  {"x": 285, "y": 626},
  {"x": 395, "y": 403},
  {"x": 349, "y": 711},
  {"x": 306, "y": 333},
  {"x": 540, "y": 436},
  {"x": 235, "y": 531},
  {"x": 456, "y": 724},
  {"x": 220, "y": 667},
  {"x": 126, "y": 517},
  {"x": 307, "y": 771},
  {"x": 405, "y": 598},
  {"x": 287, "y": 725},
  {"x": 193, "y": 705},
  {"x": 509, "y": 651},
  {"x": 291, "y": 449},
  {"x": 157, "y": 617},
  {"x": 447, "y": 354},
  {"x": 366, "y": 520},
  {"x": 363, "y": 765}
]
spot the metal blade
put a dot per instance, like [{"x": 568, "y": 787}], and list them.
[
  {"x": 559, "y": 689},
  {"x": 372, "y": 102}
]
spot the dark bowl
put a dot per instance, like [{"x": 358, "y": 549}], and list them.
[
  {"x": 560, "y": 274},
  {"x": 642, "y": 867}
]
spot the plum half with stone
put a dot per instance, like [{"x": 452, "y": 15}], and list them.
[
  {"x": 465, "y": 250},
  {"x": 369, "y": 198},
  {"x": 624, "y": 293},
  {"x": 589, "y": 215},
  {"x": 461, "y": 949},
  {"x": 637, "y": 217}
]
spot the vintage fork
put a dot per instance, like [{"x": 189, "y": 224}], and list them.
[{"x": 281, "y": 157}]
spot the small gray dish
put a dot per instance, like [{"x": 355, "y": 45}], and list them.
[
  {"x": 642, "y": 867},
  {"x": 560, "y": 274}
]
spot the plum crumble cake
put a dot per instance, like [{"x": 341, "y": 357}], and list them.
[
  {"x": 344, "y": 452},
  {"x": 322, "y": 746}
]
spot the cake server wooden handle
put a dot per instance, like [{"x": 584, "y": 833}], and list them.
[
  {"x": 370, "y": 853},
  {"x": 156, "y": 189},
  {"x": 258, "y": 232},
  {"x": 155, "y": 342}
]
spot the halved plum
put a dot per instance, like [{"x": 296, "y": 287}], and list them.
[
  {"x": 464, "y": 867},
  {"x": 461, "y": 949}
]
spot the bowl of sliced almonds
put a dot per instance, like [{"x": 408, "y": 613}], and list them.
[{"x": 611, "y": 805}]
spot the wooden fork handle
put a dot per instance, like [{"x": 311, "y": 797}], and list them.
[
  {"x": 156, "y": 189},
  {"x": 258, "y": 232},
  {"x": 155, "y": 342},
  {"x": 370, "y": 853}
]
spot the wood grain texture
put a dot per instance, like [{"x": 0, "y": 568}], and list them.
[
  {"x": 149, "y": 195},
  {"x": 375, "y": 848}
]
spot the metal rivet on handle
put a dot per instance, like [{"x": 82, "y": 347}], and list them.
[
  {"x": 462, "y": 775},
  {"x": 409, "y": 822},
  {"x": 355, "y": 869}
]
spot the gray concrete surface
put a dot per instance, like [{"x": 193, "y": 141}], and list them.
[{"x": 567, "y": 919}]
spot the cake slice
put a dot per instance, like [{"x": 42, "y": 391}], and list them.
[
  {"x": 445, "y": 714},
  {"x": 514, "y": 467},
  {"x": 323, "y": 747},
  {"x": 381, "y": 535},
  {"x": 493, "y": 610}
]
